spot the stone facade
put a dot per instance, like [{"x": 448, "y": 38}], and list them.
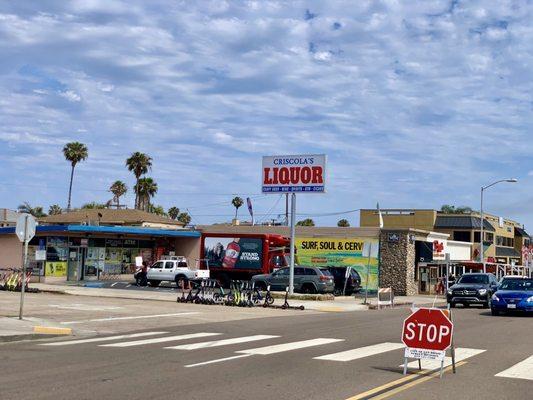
[{"x": 397, "y": 262}]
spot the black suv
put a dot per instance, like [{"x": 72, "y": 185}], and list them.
[
  {"x": 339, "y": 275},
  {"x": 472, "y": 289}
]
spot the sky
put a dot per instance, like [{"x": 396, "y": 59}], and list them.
[{"x": 415, "y": 104}]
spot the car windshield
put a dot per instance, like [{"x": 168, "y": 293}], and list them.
[
  {"x": 474, "y": 279},
  {"x": 517, "y": 284}
]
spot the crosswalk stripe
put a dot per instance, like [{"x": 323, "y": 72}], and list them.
[
  {"x": 217, "y": 360},
  {"x": 160, "y": 340},
  {"x": 279, "y": 348},
  {"x": 461, "y": 354},
  {"x": 522, "y": 370},
  {"x": 224, "y": 342},
  {"x": 361, "y": 352},
  {"x": 103, "y": 339}
]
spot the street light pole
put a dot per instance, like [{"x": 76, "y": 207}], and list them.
[{"x": 481, "y": 248}]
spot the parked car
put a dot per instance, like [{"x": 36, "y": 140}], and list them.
[
  {"x": 513, "y": 295},
  {"x": 474, "y": 288},
  {"x": 353, "y": 284},
  {"x": 306, "y": 280},
  {"x": 175, "y": 270},
  {"x": 509, "y": 277}
]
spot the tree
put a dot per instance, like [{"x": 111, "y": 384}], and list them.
[
  {"x": 36, "y": 211},
  {"x": 237, "y": 202},
  {"x": 173, "y": 212},
  {"x": 449, "y": 209},
  {"x": 55, "y": 209},
  {"x": 74, "y": 152},
  {"x": 146, "y": 188},
  {"x": 184, "y": 218},
  {"x": 158, "y": 210},
  {"x": 93, "y": 205},
  {"x": 118, "y": 188},
  {"x": 306, "y": 222},
  {"x": 343, "y": 223},
  {"x": 138, "y": 163}
]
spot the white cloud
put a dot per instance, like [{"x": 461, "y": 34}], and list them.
[{"x": 70, "y": 95}]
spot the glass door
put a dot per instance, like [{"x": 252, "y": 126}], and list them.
[{"x": 74, "y": 264}]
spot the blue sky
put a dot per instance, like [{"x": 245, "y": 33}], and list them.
[{"x": 416, "y": 104}]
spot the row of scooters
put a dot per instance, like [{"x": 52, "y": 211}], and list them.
[
  {"x": 240, "y": 294},
  {"x": 11, "y": 279}
]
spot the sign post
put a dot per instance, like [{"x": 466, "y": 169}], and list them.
[
  {"x": 25, "y": 231},
  {"x": 427, "y": 333},
  {"x": 293, "y": 174}
]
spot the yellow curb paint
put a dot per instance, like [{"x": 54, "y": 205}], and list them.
[
  {"x": 50, "y": 330},
  {"x": 426, "y": 375}
]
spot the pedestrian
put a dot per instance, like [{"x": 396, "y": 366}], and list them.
[{"x": 140, "y": 276}]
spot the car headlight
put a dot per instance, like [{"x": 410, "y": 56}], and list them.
[
  {"x": 482, "y": 291},
  {"x": 530, "y": 299},
  {"x": 495, "y": 298},
  {"x": 450, "y": 291}
]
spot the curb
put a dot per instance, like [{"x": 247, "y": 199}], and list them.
[
  {"x": 20, "y": 338},
  {"x": 50, "y": 330}
]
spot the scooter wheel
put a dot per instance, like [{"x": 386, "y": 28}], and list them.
[{"x": 302, "y": 308}]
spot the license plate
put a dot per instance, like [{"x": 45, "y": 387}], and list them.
[{"x": 511, "y": 305}]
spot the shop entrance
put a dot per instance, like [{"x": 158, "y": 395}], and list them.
[
  {"x": 428, "y": 279},
  {"x": 76, "y": 258}
]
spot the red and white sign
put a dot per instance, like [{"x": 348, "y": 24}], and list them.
[
  {"x": 427, "y": 333},
  {"x": 295, "y": 173}
]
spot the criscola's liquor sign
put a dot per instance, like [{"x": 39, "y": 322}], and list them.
[{"x": 297, "y": 173}]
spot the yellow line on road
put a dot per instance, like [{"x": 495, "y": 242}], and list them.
[
  {"x": 405, "y": 383},
  {"x": 50, "y": 330}
]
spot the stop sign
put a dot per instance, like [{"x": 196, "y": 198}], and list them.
[{"x": 427, "y": 328}]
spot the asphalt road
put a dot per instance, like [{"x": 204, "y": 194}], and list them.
[{"x": 255, "y": 367}]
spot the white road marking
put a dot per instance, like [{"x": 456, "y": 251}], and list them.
[
  {"x": 522, "y": 370},
  {"x": 216, "y": 361},
  {"x": 361, "y": 352},
  {"x": 183, "y": 314},
  {"x": 224, "y": 342},
  {"x": 102, "y": 339},
  {"x": 161, "y": 340},
  {"x": 279, "y": 348},
  {"x": 113, "y": 284},
  {"x": 84, "y": 307},
  {"x": 460, "y": 355},
  {"x": 128, "y": 285}
]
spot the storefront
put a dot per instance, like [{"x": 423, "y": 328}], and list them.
[{"x": 79, "y": 252}]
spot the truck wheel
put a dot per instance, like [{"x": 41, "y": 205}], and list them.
[
  {"x": 181, "y": 281},
  {"x": 153, "y": 283},
  {"x": 308, "y": 288}
]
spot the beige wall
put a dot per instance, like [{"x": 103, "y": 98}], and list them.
[
  {"x": 189, "y": 248},
  {"x": 399, "y": 219},
  {"x": 307, "y": 231},
  {"x": 10, "y": 251}
]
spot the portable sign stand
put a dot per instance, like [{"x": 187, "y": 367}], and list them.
[
  {"x": 293, "y": 174},
  {"x": 420, "y": 352}
]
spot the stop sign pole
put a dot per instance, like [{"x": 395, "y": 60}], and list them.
[{"x": 25, "y": 231}]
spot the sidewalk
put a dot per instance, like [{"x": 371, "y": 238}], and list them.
[
  {"x": 14, "y": 329},
  {"x": 321, "y": 303}
]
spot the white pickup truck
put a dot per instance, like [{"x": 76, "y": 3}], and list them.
[{"x": 174, "y": 270}]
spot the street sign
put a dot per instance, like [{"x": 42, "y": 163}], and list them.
[
  {"x": 427, "y": 333},
  {"x": 25, "y": 227}
]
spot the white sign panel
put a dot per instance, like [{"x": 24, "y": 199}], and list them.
[
  {"x": 25, "y": 228},
  {"x": 40, "y": 255},
  {"x": 294, "y": 173},
  {"x": 426, "y": 354}
]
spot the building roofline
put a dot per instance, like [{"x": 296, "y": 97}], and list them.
[{"x": 130, "y": 230}]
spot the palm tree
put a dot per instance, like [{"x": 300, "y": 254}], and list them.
[
  {"x": 93, "y": 205},
  {"x": 36, "y": 211},
  {"x": 138, "y": 163},
  {"x": 146, "y": 188},
  {"x": 118, "y": 188},
  {"x": 237, "y": 202},
  {"x": 184, "y": 218},
  {"x": 343, "y": 223},
  {"x": 173, "y": 212},
  {"x": 158, "y": 210},
  {"x": 74, "y": 152},
  {"x": 55, "y": 209}
]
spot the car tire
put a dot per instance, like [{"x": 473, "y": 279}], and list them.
[
  {"x": 153, "y": 283},
  {"x": 308, "y": 288},
  {"x": 494, "y": 312},
  {"x": 466, "y": 305}
]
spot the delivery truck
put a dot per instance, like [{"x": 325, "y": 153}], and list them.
[{"x": 241, "y": 256}]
